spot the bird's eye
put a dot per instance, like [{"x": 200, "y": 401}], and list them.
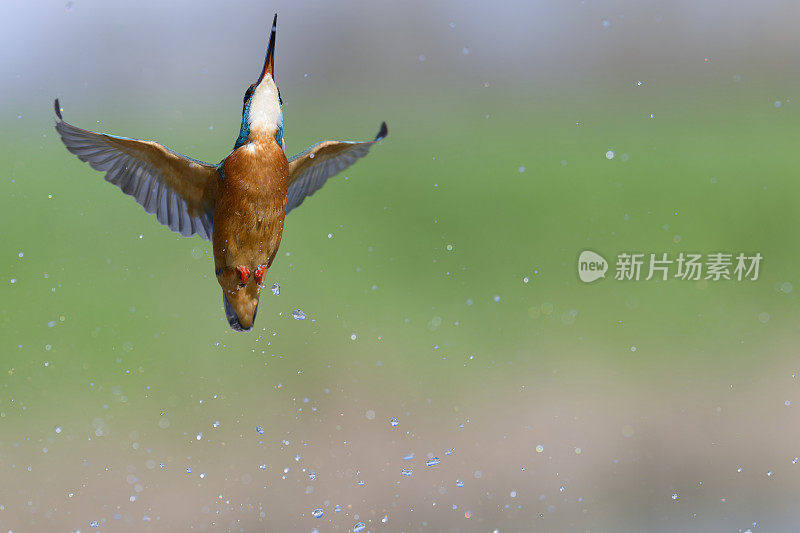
[{"x": 248, "y": 93}]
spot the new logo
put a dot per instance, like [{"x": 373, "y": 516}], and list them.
[{"x": 591, "y": 266}]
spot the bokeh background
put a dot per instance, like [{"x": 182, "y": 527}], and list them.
[{"x": 438, "y": 275}]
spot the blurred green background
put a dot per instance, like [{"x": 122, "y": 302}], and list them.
[{"x": 438, "y": 274}]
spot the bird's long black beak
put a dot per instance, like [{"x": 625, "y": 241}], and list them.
[{"x": 269, "y": 61}]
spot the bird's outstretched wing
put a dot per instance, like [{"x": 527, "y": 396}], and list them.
[
  {"x": 309, "y": 170},
  {"x": 181, "y": 192}
]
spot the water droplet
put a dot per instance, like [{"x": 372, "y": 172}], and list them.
[
  {"x": 459, "y": 483},
  {"x": 259, "y": 430},
  {"x": 674, "y": 495},
  {"x": 94, "y": 523},
  {"x": 521, "y": 169},
  {"x": 394, "y": 422},
  {"x": 539, "y": 448},
  {"x": 359, "y": 527},
  {"x": 262, "y": 466},
  {"x": 795, "y": 460},
  {"x": 407, "y": 472},
  {"x": 433, "y": 461},
  {"x": 317, "y": 513},
  {"x": 216, "y": 423},
  {"x": 276, "y": 289},
  {"x": 638, "y": 84},
  {"x": 769, "y": 473},
  {"x": 58, "y": 429},
  {"x": 199, "y": 436},
  {"x": 610, "y": 154},
  {"x": 298, "y": 314},
  {"x": 605, "y": 23},
  {"x": 408, "y": 456},
  {"x": 337, "y": 508}
]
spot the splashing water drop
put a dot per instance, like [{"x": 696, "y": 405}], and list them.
[
  {"x": 298, "y": 314},
  {"x": 276, "y": 289},
  {"x": 259, "y": 430},
  {"x": 359, "y": 527},
  {"x": 394, "y": 422},
  {"x": 317, "y": 513}
]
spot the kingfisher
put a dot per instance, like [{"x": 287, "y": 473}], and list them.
[{"x": 239, "y": 204}]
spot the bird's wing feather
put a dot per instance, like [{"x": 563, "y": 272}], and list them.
[
  {"x": 181, "y": 192},
  {"x": 309, "y": 170}
]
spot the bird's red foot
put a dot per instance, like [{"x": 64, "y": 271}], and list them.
[
  {"x": 244, "y": 272},
  {"x": 259, "y": 274}
]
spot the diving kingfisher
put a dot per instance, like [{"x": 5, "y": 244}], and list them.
[{"x": 239, "y": 204}]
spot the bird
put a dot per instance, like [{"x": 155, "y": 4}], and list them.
[{"x": 239, "y": 204}]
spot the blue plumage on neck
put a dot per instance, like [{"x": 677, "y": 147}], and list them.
[{"x": 244, "y": 131}]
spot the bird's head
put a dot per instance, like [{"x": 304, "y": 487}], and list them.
[{"x": 262, "y": 112}]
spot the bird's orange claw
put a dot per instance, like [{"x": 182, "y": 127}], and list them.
[
  {"x": 259, "y": 274},
  {"x": 244, "y": 272}
]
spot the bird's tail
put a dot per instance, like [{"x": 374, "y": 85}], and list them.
[{"x": 233, "y": 318}]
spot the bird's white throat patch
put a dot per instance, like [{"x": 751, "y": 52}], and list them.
[{"x": 266, "y": 115}]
